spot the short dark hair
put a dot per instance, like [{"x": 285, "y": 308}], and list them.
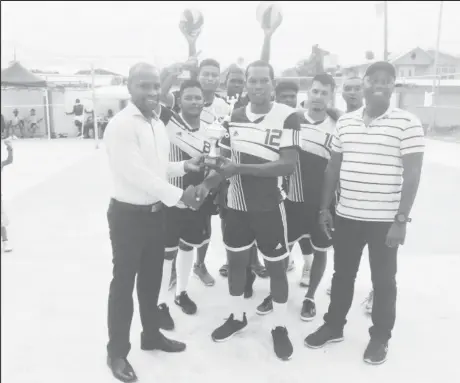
[
  {"x": 209, "y": 62},
  {"x": 262, "y": 64},
  {"x": 325, "y": 79},
  {"x": 233, "y": 69},
  {"x": 286, "y": 85},
  {"x": 189, "y": 84},
  {"x": 77, "y": 100}
]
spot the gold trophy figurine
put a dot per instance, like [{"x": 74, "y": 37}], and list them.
[{"x": 216, "y": 131}]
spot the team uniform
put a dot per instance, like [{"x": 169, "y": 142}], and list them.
[
  {"x": 184, "y": 224},
  {"x": 255, "y": 210},
  {"x": 218, "y": 109},
  {"x": 306, "y": 183}
]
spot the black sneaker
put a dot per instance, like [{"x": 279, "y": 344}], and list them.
[
  {"x": 224, "y": 270},
  {"x": 250, "y": 278},
  {"x": 308, "y": 312},
  {"x": 184, "y": 301},
  {"x": 376, "y": 352},
  {"x": 281, "y": 343},
  {"x": 166, "y": 321},
  {"x": 229, "y": 328},
  {"x": 266, "y": 307},
  {"x": 322, "y": 336}
]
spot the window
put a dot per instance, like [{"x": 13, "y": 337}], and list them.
[{"x": 409, "y": 73}]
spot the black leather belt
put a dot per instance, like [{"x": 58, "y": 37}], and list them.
[{"x": 141, "y": 208}]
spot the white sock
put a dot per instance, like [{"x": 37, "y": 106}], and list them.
[
  {"x": 279, "y": 314},
  {"x": 184, "y": 263},
  {"x": 167, "y": 267},
  {"x": 237, "y": 306},
  {"x": 308, "y": 258}
]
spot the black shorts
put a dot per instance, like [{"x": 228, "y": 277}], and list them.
[
  {"x": 302, "y": 222},
  {"x": 193, "y": 228},
  {"x": 266, "y": 228}
]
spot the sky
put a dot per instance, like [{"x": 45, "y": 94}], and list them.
[{"x": 70, "y": 35}]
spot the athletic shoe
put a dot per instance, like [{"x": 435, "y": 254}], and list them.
[
  {"x": 229, "y": 328},
  {"x": 250, "y": 278},
  {"x": 308, "y": 312},
  {"x": 185, "y": 303},
  {"x": 201, "y": 272},
  {"x": 328, "y": 290},
  {"x": 305, "y": 279},
  {"x": 224, "y": 270},
  {"x": 165, "y": 319},
  {"x": 260, "y": 270},
  {"x": 6, "y": 247},
  {"x": 368, "y": 302},
  {"x": 281, "y": 343},
  {"x": 291, "y": 265},
  {"x": 266, "y": 307},
  {"x": 322, "y": 336},
  {"x": 376, "y": 352},
  {"x": 173, "y": 279}
]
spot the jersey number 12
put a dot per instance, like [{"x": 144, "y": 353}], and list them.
[{"x": 273, "y": 137}]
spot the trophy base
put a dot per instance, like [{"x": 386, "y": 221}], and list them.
[{"x": 211, "y": 160}]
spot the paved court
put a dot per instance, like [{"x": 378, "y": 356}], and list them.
[{"x": 55, "y": 284}]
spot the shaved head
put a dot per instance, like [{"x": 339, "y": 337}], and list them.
[
  {"x": 140, "y": 69},
  {"x": 144, "y": 87}
]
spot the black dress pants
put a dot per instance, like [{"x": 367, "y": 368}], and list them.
[
  {"x": 350, "y": 238},
  {"x": 137, "y": 239}
]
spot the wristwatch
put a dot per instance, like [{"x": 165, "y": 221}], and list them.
[{"x": 402, "y": 218}]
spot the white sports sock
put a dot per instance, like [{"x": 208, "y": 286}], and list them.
[
  {"x": 237, "y": 306},
  {"x": 308, "y": 258},
  {"x": 167, "y": 267},
  {"x": 279, "y": 314},
  {"x": 184, "y": 263}
]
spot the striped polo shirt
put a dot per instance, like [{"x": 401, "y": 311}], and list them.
[{"x": 371, "y": 174}]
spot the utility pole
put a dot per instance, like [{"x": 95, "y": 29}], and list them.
[
  {"x": 385, "y": 30},
  {"x": 436, "y": 78}
]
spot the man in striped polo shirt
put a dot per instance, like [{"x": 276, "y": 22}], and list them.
[{"x": 377, "y": 155}]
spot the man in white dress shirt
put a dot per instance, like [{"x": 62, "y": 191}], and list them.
[{"x": 138, "y": 152}]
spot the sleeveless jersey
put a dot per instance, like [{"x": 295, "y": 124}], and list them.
[
  {"x": 306, "y": 183},
  {"x": 185, "y": 144},
  {"x": 259, "y": 142}
]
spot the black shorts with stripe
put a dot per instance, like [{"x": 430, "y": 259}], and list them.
[
  {"x": 267, "y": 229},
  {"x": 190, "y": 227},
  {"x": 302, "y": 222}
]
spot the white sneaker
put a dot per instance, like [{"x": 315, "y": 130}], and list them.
[
  {"x": 6, "y": 247},
  {"x": 328, "y": 290},
  {"x": 368, "y": 302},
  {"x": 305, "y": 279}
]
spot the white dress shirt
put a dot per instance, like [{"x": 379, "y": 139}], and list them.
[{"x": 138, "y": 154}]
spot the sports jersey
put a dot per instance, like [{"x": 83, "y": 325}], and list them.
[
  {"x": 306, "y": 183},
  {"x": 217, "y": 110},
  {"x": 185, "y": 144},
  {"x": 257, "y": 141}
]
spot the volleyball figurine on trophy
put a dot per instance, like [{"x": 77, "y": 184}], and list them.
[
  {"x": 216, "y": 131},
  {"x": 191, "y": 25}
]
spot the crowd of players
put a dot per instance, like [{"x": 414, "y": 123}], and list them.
[{"x": 276, "y": 184}]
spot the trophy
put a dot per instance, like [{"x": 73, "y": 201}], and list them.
[
  {"x": 216, "y": 131},
  {"x": 190, "y": 25}
]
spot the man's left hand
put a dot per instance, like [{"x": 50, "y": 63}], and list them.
[
  {"x": 224, "y": 167},
  {"x": 396, "y": 235},
  {"x": 195, "y": 164}
]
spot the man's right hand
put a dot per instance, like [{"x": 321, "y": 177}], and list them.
[
  {"x": 326, "y": 222},
  {"x": 191, "y": 198}
]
